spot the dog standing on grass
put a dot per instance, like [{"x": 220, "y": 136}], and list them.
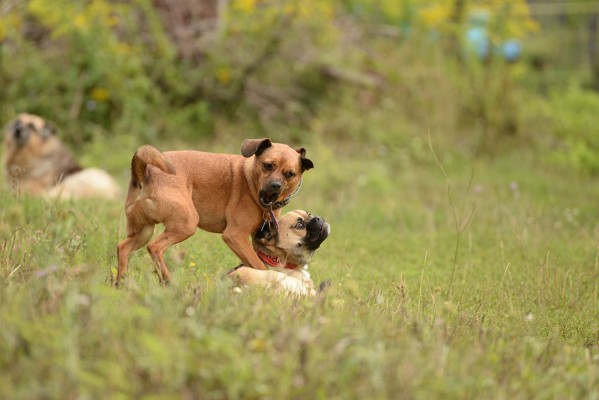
[
  {"x": 285, "y": 251},
  {"x": 37, "y": 163},
  {"x": 220, "y": 193}
]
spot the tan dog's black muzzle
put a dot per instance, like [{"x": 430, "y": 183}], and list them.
[{"x": 317, "y": 230}]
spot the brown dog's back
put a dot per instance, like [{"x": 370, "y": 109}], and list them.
[{"x": 206, "y": 179}]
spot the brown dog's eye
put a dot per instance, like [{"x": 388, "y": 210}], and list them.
[
  {"x": 289, "y": 174},
  {"x": 299, "y": 225},
  {"x": 268, "y": 166}
]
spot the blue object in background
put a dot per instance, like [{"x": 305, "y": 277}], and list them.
[
  {"x": 511, "y": 50},
  {"x": 477, "y": 42},
  {"x": 477, "y": 38}
]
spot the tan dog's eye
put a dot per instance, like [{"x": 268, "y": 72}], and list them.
[
  {"x": 299, "y": 225},
  {"x": 289, "y": 174},
  {"x": 268, "y": 166}
]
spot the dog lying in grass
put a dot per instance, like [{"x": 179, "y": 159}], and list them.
[
  {"x": 37, "y": 163},
  {"x": 286, "y": 251}
]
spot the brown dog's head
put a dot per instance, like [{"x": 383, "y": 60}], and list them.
[
  {"x": 28, "y": 131},
  {"x": 277, "y": 168},
  {"x": 298, "y": 236}
]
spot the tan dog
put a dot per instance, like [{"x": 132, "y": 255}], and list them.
[
  {"x": 286, "y": 251},
  {"x": 36, "y": 162},
  {"x": 220, "y": 193}
]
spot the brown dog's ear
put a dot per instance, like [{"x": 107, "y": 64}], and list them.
[
  {"x": 251, "y": 147},
  {"x": 306, "y": 162}
]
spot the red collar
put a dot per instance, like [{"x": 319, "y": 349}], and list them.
[{"x": 274, "y": 261}]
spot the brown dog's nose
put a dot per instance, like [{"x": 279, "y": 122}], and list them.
[{"x": 275, "y": 186}]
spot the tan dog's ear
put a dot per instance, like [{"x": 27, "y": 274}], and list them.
[
  {"x": 266, "y": 235},
  {"x": 251, "y": 147},
  {"x": 47, "y": 130},
  {"x": 306, "y": 162}
]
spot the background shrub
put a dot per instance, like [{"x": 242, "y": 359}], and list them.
[{"x": 187, "y": 69}]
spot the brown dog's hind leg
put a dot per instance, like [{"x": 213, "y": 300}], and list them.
[
  {"x": 172, "y": 234},
  {"x": 134, "y": 241}
]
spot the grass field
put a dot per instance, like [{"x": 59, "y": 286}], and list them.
[{"x": 481, "y": 284}]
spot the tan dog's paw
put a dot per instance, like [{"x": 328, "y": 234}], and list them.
[{"x": 283, "y": 281}]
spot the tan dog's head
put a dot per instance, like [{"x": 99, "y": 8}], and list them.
[
  {"x": 28, "y": 132},
  {"x": 277, "y": 168},
  {"x": 298, "y": 236}
]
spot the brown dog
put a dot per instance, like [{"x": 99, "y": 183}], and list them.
[
  {"x": 221, "y": 193},
  {"x": 36, "y": 162},
  {"x": 286, "y": 251}
]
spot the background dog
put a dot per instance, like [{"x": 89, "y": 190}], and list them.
[
  {"x": 286, "y": 251},
  {"x": 36, "y": 162},
  {"x": 221, "y": 193}
]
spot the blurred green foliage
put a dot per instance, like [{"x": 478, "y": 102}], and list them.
[
  {"x": 156, "y": 69},
  {"x": 576, "y": 123}
]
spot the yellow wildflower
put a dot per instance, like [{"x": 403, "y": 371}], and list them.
[
  {"x": 247, "y": 6},
  {"x": 100, "y": 94},
  {"x": 80, "y": 21},
  {"x": 223, "y": 75}
]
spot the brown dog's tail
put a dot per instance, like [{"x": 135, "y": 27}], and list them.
[{"x": 148, "y": 155}]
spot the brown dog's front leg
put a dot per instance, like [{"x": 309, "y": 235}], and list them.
[{"x": 240, "y": 244}]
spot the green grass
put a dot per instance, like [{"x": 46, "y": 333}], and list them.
[{"x": 519, "y": 321}]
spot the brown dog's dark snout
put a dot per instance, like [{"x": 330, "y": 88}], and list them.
[
  {"x": 272, "y": 190},
  {"x": 275, "y": 186}
]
